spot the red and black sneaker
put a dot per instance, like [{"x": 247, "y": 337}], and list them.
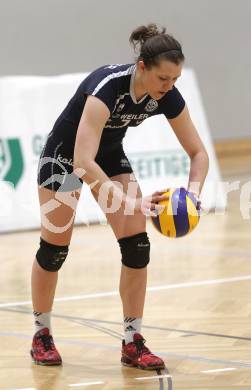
[
  {"x": 43, "y": 350},
  {"x": 136, "y": 354}
]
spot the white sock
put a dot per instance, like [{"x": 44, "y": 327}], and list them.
[
  {"x": 132, "y": 325},
  {"x": 42, "y": 320}
]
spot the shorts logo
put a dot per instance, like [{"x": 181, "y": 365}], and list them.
[
  {"x": 152, "y": 105},
  {"x": 11, "y": 160},
  {"x": 65, "y": 160},
  {"x": 124, "y": 163}
]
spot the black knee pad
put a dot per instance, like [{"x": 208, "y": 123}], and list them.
[
  {"x": 135, "y": 250},
  {"x": 51, "y": 257}
]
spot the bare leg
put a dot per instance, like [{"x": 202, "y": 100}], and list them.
[
  {"x": 132, "y": 281},
  {"x": 43, "y": 286},
  {"x": 133, "y": 290},
  {"x": 43, "y": 283}
]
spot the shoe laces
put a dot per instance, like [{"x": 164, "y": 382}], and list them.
[
  {"x": 141, "y": 348},
  {"x": 47, "y": 342}
]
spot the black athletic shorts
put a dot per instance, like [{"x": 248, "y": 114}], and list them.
[{"x": 55, "y": 168}]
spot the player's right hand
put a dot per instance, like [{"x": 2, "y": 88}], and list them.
[{"x": 148, "y": 205}]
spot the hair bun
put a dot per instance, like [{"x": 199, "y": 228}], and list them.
[
  {"x": 142, "y": 33},
  {"x": 152, "y": 30},
  {"x": 154, "y": 44}
]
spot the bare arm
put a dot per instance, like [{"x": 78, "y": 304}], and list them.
[
  {"x": 188, "y": 137},
  {"x": 92, "y": 122},
  {"x": 90, "y": 128},
  {"x": 89, "y": 132}
]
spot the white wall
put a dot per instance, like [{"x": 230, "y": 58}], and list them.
[{"x": 65, "y": 36}]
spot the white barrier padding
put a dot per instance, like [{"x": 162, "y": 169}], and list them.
[{"x": 29, "y": 108}]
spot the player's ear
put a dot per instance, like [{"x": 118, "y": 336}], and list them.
[{"x": 141, "y": 66}]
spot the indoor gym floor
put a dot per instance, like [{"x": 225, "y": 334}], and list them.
[{"x": 197, "y": 312}]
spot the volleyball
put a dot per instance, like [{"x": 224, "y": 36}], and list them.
[{"x": 181, "y": 213}]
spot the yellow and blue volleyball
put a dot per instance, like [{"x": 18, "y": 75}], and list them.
[{"x": 180, "y": 214}]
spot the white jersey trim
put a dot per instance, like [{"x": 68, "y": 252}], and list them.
[
  {"x": 112, "y": 76},
  {"x": 132, "y": 88}
]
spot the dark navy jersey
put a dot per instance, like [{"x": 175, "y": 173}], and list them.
[{"x": 114, "y": 86}]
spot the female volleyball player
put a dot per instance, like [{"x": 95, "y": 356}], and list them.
[{"x": 85, "y": 144}]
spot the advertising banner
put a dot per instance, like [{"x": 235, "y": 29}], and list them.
[{"x": 29, "y": 107}]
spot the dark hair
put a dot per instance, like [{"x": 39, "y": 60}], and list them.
[{"x": 155, "y": 45}]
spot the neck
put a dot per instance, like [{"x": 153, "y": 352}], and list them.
[{"x": 139, "y": 90}]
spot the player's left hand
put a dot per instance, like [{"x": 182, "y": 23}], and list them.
[{"x": 198, "y": 202}]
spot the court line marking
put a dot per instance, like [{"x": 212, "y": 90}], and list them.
[
  {"x": 96, "y": 321},
  {"x": 26, "y": 388},
  {"x": 212, "y": 252},
  {"x": 86, "y": 384},
  {"x": 154, "y": 288},
  {"x": 237, "y": 363},
  {"x": 89, "y": 321},
  {"x": 70, "y": 385},
  {"x": 169, "y": 379},
  {"x": 84, "y": 344},
  {"x": 218, "y": 370},
  {"x": 143, "y": 378}
]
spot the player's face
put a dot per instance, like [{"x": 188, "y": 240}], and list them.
[{"x": 158, "y": 80}]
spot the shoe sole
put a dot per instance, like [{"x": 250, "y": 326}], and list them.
[
  {"x": 143, "y": 368},
  {"x": 37, "y": 362}
]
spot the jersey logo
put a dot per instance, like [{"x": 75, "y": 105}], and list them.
[
  {"x": 120, "y": 107},
  {"x": 152, "y": 105}
]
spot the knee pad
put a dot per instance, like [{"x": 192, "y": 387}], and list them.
[
  {"x": 135, "y": 250},
  {"x": 51, "y": 257}
]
